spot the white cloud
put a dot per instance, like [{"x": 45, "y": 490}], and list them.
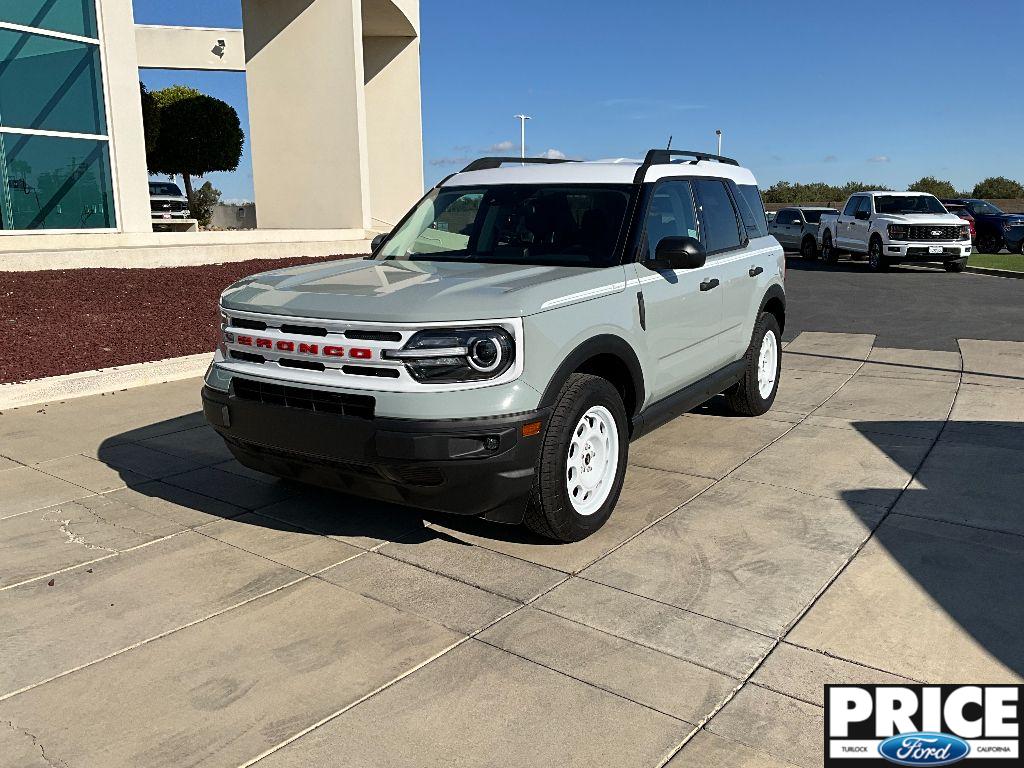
[
  {"x": 879, "y": 159},
  {"x": 831, "y": 159},
  {"x": 553, "y": 154},
  {"x": 501, "y": 146}
]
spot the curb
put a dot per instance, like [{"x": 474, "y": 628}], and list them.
[
  {"x": 72, "y": 385},
  {"x": 995, "y": 272}
]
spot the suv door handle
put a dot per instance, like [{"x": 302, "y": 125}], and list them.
[
  {"x": 707, "y": 285},
  {"x": 755, "y": 271}
]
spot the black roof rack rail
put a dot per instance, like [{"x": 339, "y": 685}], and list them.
[
  {"x": 663, "y": 156},
  {"x": 486, "y": 163}
]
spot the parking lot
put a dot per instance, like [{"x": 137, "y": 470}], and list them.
[{"x": 162, "y": 605}]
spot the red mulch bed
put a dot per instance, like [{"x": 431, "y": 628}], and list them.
[{"x": 65, "y": 321}]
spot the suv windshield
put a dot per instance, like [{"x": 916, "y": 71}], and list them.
[
  {"x": 982, "y": 207},
  {"x": 908, "y": 204},
  {"x": 547, "y": 225},
  {"x": 813, "y": 217},
  {"x": 164, "y": 188}
]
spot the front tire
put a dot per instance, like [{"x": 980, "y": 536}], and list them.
[
  {"x": 956, "y": 266},
  {"x": 754, "y": 394},
  {"x": 582, "y": 461},
  {"x": 809, "y": 249},
  {"x": 989, "y": 243},
  {"x": 876, "y": 258}
]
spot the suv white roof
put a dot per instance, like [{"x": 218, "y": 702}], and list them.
[{"x": 619, "y": 171}]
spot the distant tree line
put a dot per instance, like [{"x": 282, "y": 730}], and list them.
[{"x": 992, "y": 188}]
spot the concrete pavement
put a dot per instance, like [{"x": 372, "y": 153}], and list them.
[{"x": 162, "y": 605}]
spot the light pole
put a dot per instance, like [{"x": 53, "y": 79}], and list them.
[
  {"x": 719, "y": 135},
  {"x": 522, "y": 134}
]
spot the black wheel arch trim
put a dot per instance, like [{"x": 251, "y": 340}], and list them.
[
  {"x": 775, "y": 291},
  {"x": 604, "y": 344}
]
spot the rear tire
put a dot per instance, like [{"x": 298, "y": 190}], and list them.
[
  {"x": 754, "y": 394},
  {"x": 876, "y": 257},
  {"x": 956, "y": 266},
  {"x": 828, "y": 250},
  {"x": 582, "y": 461},
  {"x": 809, "y": 249}
]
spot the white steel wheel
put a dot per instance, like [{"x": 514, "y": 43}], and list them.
[
  {"x": 592, "y": 460},
  {"x": 767, "y": 365}
]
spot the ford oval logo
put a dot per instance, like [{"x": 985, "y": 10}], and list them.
[
  {"x": 924, "y": 749},
  {"x": 936, "y": 232}
]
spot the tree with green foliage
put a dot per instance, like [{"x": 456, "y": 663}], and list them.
[
  {"x": 202, "y": 202},
  {"x": 150, "y": 118},
  {"x": 197, "y": 134},
  {"x": 933, "y": 186},
  {"x": 789, "y": 193},
  {"x": 998, "y": 188}
]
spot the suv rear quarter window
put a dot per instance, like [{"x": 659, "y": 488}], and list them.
[{"x": 752, "y": 210}]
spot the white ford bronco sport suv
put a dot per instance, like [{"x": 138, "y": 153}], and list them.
[{"x": 505, "y": 342}]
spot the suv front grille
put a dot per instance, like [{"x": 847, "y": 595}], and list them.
[{"x": 339, "y": 403}]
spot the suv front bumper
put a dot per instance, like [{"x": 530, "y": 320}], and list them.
[{"x": 477, "y": 466}]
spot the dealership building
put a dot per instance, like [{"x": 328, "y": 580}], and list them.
[{"x": 334, "y": 128}]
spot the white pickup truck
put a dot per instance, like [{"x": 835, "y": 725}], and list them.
[{"x": 896, "y": 227}]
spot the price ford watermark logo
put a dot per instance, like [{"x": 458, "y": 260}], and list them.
[{"x": 922, "y": 725}]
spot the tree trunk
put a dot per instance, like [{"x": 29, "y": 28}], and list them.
[{"x": 188, "y": 190}]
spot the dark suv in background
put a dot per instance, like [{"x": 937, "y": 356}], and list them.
[{"x": 995, "y": 229}]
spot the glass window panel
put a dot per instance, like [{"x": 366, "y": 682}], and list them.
[
  {"x": 721, "y": 229},
  {"x": 670, "y": 214},
  {"x": 50, "y": 84},
  {"x": 76, "y": 17},
  {"x": 55, "y": 183}
]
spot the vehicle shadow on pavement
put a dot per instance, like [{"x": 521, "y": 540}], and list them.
[
  {"x": 937, "y": 592},
  {"x": 181, "y": 464}
]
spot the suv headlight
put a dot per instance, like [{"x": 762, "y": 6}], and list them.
[
  {"x": 223, "y": 337},
  {"x": 899, "y": 232},
  {"x": 445, "y": 355}
]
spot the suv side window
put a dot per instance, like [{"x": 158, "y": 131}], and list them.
[
  {"x": 670, "y": 214},
  {"x": 748, "y": 198},
  {"x": 851, "y": 205},
  {"x": 721, "y": 224}
]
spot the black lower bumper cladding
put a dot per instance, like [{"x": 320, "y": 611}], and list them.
[{"x": 479, "y": 466}]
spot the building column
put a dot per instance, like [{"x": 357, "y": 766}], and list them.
[
  {"x": 307, "y": 116},
  {"x": 394, "y": 126},
  {"x": 127, "y": 139}
]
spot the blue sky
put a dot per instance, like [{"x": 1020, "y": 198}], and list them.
[{"x": 875, "y": 91}]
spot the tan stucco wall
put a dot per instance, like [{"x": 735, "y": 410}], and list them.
[
  {"x": 189, "y": 48},
  {"x": 304, "y": 79},
  {"x": 393, "y": 126}
]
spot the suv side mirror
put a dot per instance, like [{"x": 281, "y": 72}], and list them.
[
  {"x": 377, "y": 242},
  {"x": 862, "y": 215},
  {"x": 678, "y": 253}
]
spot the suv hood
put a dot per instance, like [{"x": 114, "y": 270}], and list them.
[
  {"x": 420, "y": 291},
  {"x": 920, "y": 218}
]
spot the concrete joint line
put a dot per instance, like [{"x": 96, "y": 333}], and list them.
[{"x": 776, "y": 640}]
